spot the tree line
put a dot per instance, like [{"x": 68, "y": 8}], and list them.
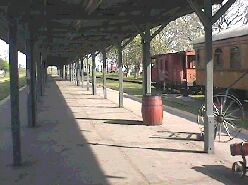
[
  {"x": 4, "y": 66},
  {"x": 178, "y": 35}
]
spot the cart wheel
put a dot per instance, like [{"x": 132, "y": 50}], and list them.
[
  {"x": 239, "y": 168},
  {"x": 228, "y": 113}
]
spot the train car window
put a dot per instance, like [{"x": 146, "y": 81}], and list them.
[
  {"x": 218, "y": 55},
  {"x": 235, "y": 59},
  {"x": 191, "y": 61}
]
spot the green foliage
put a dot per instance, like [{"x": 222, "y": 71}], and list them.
[
  {"x": 132, "y": 56},
  {"x": 113, "y": 54},
  {"x": 178, "y": 35},
  {"x": 236, "y": 15},
  {"x": 4, "y": 65}
]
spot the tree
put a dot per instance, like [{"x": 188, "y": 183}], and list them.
[
  {"x": 236, "y": 15},
  {"x": 133, "y": 55},
  {"x": 112, "y": 54},
  {"x": 158, "y": 43},
  {"x": 4, "y": 65},
  {"x": 179, "y": 34}
]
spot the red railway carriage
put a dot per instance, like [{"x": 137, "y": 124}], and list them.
[{"x": 174, "y": 69}]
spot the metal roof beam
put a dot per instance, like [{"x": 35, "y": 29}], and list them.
[
  {"x": 222, "y": 10},
  {"x": 195, "y": 6}
]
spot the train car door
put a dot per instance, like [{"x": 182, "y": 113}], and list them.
[{"x": 190, "y": 69}]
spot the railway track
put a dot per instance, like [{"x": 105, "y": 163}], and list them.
[{"x": 124, "y": 80}]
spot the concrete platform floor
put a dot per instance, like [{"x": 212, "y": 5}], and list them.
[{"x": 81, "y": 139}]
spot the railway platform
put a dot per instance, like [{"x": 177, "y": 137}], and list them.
[{"x": 84, "y": 139}]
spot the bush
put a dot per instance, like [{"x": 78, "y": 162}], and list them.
[{"x": 4, "y": 65}]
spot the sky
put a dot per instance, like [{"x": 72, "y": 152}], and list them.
[{"x": 4, "y": 54}]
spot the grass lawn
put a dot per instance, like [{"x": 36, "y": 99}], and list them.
[
  {"x": 181, "y": 105},
  {"x": 171, "y": 101},
  {"x": 137, "y": 90},
  {"x": 129, "y": 88},
  {"x": 191, "y": 106},
  {"x": 115, "y": 75},
  {"x": 4, "y": 86}
]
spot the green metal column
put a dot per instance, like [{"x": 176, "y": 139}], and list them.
[
  {"x": 42, "y": 77},
  {"x": 82, "y": 72},
  {"x": 14, "y": 92},
  {"x": 70, "y": 72},
  {"x": 146, "y": 40},
  {"x": 39, "y": 80},
  {"x": 144, "y": 84},
  {"x": 104, "y": 73},
  {"x": 209, "y": 121},
  {"x": 77, "y": 73},
  {"x": 66, "y": 72},
  {"x": 74, "y": 72},
  {"x": 45, "y": 71},
  {"x": 120, "y": 66},
  {"x": 93, "y": 73},
  {"x": 31, "y": 78},
  {"x": 88, "y": 73},
  {"x": 63, "y": 73}
]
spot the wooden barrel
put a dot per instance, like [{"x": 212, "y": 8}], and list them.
[
  {"x": 152, "y": 110},
  {"x": 239, "y": 149}
]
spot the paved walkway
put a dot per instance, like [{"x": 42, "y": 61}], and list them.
[{"x": 83, "y": 139}]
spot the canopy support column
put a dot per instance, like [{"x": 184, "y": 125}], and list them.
[
  {"x": 93, "y": 55},
  {"x": 43, "y": 76},
  {"x": 146, "y": 40},
  {"x": 73, "y": 72},
  {"x": 88, "y": 73},
  {"x": 82, "y": 72},
  {"x": 66, "y": 77},
  {"x": 61, "y": 71},
  {"x": 207, "y": 20},
  {"x": 70, "y": 72},
  {"x": 31, "y": 78},
  {"x": 77, "y": 72},
  {"x": 45, "y": 71},
  {"x": 39, "y": 80},
  {"x": 120, "y": 66},
  {"x": 209, "y": 121},
  {"x": 104, "y": 73},
  {"x": 14, "y": 92}
]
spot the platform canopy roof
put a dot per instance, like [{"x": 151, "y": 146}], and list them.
[{"x": 69, "y": 29}]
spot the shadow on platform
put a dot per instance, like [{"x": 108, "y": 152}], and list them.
[
  {"x": 115, "y": 121},
  {"x": 50, "y": 152},
  {"x": 183, "y": 136},
  {"x": 149, "y": 148},
  {"x": 221, "y": 174}
]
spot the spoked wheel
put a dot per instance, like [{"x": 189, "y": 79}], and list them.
[
  {"x": 239, "y": 168},
  {"x": 228, "y": 113}
]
